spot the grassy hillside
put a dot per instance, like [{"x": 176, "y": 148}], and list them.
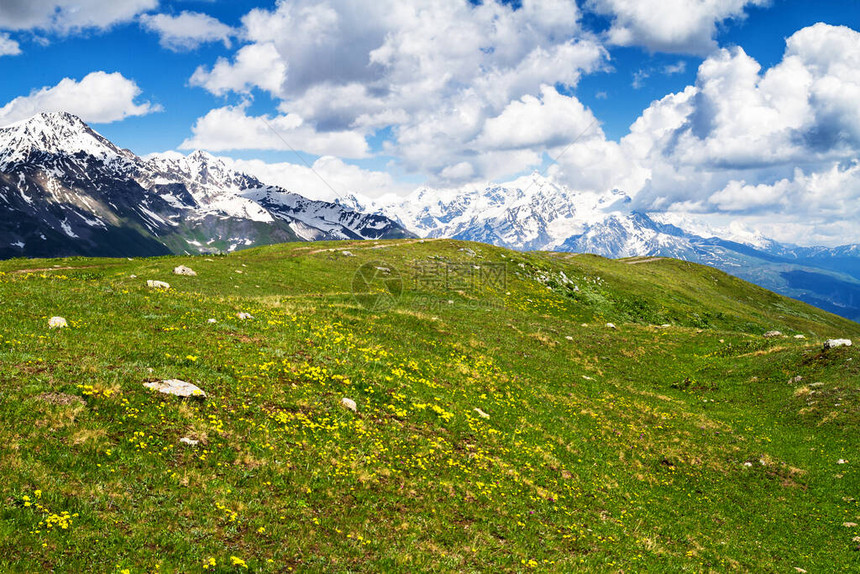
[{"x": 501, "y": 425}]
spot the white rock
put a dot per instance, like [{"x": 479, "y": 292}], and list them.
[
  {"x": 347, "y": 253},
  {"x": 157, "y": 284},
  {"x": 132, "y": 276},
  {"x": 569, "y": 338},
  {"x": 841, "y": 461},
  {"x": 211, "y": 321},
  {"x": 611, "y": 326},
  {"x": 244, "y": 316},
  {"x": 177, "y": 388},
  {"x": 349, "y": 403},
  {"x": 481, "y": 413},
  {"x": 57, "y": 323},
  {"x": 183, "y": 270},
  {"x": 239, "y": 271},
  {"x": 189, "y": 441},
  {"x": 800, "y": 336},
  {"x": 771, "y": 334},
  {"x": 747, "y": 464},
  {"x": 833, "y": 343}
]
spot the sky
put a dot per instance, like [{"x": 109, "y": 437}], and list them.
[{"x": 710, "y": 112}]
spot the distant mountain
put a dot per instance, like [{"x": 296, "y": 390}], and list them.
[
  {"x": 66, "y": 190},
  {"x": 536, "y": 213}
]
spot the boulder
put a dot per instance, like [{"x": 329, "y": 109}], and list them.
[
  {"x": 183, "y": 270},
  {"x": 176, "y": 388},
  {"x": 57, "y": 323},
  {"x": 157, "y": 284},
  {"x": 772, "y": 334},
  {"x": 349, "y": 403},
  {"x": 833, "y": 343}
]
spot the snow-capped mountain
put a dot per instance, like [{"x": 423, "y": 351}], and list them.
[{"x": 66, "y": 190}]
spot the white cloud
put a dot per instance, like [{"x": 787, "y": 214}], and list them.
[
  {"x": 188, "y": 30},
  {"x": 433, "y": 71},
  {"x": 677, "y": 26},
  {"x": 230, "y": 128},
  {"x": 549, "y": 121},
  {"x": 98, "y": 98},
  {"x": 256, "y": 65},
  {"x": 65, "y": 16},
  {"x": 8, "y": 46}
]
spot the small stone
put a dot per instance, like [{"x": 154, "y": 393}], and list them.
[
  {"x": 569, "y": 338},
  {"x": 189, "y": 441},
  {"x": 481, "y": 413},
  {"x": 772, "y": 334},
  {"x": 747, "y": 464},
  {"x": 665, "y": 325},
  {"x": 347, "y": 253},
  {"x": 157, "y": 284},
  {"x": 796, "y": 379},
  {"x": 177, "y": 388},
  {"x": 57, "y": 323},
  {"x": 849, "y": 524},
  {"x": 841, "y": 461},
  {"x": 211, "y": 321},
  {"x": 584, "y": 325},
  {"x": 611, "y": 326},
  {"x": 816, "y": 385},
  {"x": 450, "y": 301},
  {"x": 468, "y": 251},
  {"x": 244, "y": 316},
  {"x": 383, "y": 269},
  {"x": 349, "y": 403},
  {"x": 132, "y": 276},
  {"x": 801, "y": 570},
  {"x": 239, "y": 271},
  {"x": 183, "y": 270},
  {"x": 833, "y": 343},
  {"x": 800, "y": 336}
]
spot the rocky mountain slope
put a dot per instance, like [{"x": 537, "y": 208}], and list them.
[{"x": 66, "y": 190}]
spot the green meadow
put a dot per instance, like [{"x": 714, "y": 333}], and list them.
[{"x": 500, "y": 426}]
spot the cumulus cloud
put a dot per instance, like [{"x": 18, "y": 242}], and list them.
[
  {"x": 676, "y": 26},
  {"x": 742, "y": 124},
  {"x": 256, "y": 65},
  {"x": 65, "y": 16},
  {"x": 550, "y": 120},
  {"x": 8, "y": 46},
  {"x": 230, "y": 128},
  {"x": 188, "y": 30},
  {"x": 98, "y": 98},
  {"x": 432, "y": 71}
]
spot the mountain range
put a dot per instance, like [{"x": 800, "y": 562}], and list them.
[
  {"x": 536, "y": 213},
  {"x": 65, "y": 190}
]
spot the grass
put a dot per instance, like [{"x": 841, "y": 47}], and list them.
[{"x": 687, "y": 448}]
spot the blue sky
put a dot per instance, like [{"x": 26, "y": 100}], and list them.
[{"x": 386, "y": 97}]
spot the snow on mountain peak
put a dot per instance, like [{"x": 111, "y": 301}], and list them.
[{"x": 56, "y": 133}]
